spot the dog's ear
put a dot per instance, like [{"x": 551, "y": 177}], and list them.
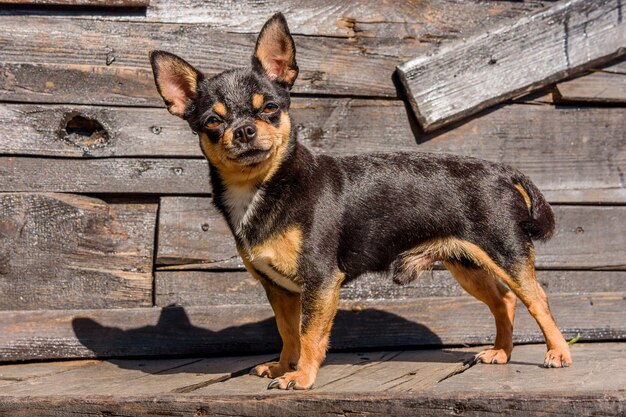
[
  {"x": 275, "y": 52},
  {"x": 176, "y": 81}
]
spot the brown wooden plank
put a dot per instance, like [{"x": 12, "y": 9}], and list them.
[
  {"x": 309, "y": 404},
  {"x": 157, "y": 176},
  {"x": 192, "y": 231},
  {"x": 476, "y": 73},
  {"x": 359, "y": 372},
  {"x": 63, "y": 251},
  {"x": 327, "y": 64},
  {"x": 434, "y": 21},
  {"x": 17, "y": 373},
  {"x": 556, "y": 147},
  {"x": 100, "y": 3},
  {"x": 587, "y": 374},
  {"x": 198, "y": 288},
  {"x": 251, "y": 328},
  {"x": 121, "y": 377},
  {"x": 603, "y": 85}
]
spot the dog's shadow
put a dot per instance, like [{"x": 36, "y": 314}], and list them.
[{"x": 175, "y": 336}]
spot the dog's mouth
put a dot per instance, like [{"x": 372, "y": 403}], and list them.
[{"x": 251, "y": 156}]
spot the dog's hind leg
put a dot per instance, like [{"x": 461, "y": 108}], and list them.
[
  {"x": 500, "y": 300},
  {"x": 524, "y": 284},
  {"x": 522, "y": 279}
]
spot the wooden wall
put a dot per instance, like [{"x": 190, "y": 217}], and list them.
[{"x": 109, "y": 245}]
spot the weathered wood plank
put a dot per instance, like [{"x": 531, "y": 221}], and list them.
[
  {"x": 353, "y": 373},
  {"x": 156, "y": 176},
  {"x": 122, "y": 377},
  {"x": 309, "y": 404},
  {"x": 56, "y": 83},
  {"x": 199, "y": 288},
  {"x": 556, "y": 147},
  {"x": 603, "y": 85},
  {"x": 100, "y": 3},
  {"x": 251, "y": 328},
  {"x": 192, "y": 231},
  {"x": 468, "y": 76},
  {"x": 433, "y": 21},
  {"x": 327, "y": 64},
  {"x": 606, "y": 375},
  {"x": 61, "y": 251}
]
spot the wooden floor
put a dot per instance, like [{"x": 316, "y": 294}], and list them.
[{"x": 402, "y": 383}]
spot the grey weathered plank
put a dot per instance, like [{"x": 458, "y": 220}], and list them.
[
  {"x": 251, "y": 328},
  {"x": 132, "y": 175},
  {"x": 586, "y": 237},
  {"x": 471, "y": 75},
  {"x": 353, "y": 373},
  {"x": 603, "y": 85},
  {"x": 192, "y": 231},
  {"x": 199, "y": 288},
  {"x": 122, "y": 377},
  {"x": 555, "y": 147},
  {"x": 587, "y": 374},
  {"x": 310, "y": 404},
  {"x": 434, "y": 21},
  {"x": 100, "y": 3},
  {"x": 61, "y": 251},
  {"x": 597, "y": 87},
  {"x": 327, "y": 64},
  {"x": 357, "y": 386}
]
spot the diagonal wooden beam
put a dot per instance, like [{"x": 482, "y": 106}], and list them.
[{"x": 473, "y": 74}]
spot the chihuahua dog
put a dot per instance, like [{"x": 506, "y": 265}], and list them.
[{"x": 306, "y": 223}]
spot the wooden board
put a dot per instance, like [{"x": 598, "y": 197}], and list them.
[
  {"x": 99, "y": 3},
  {"x": 119, "y": 377},
  {"x": 192, "y": 231},
  {"x": 470, "y": 75},
  {"x": 309, "y": 404},
  {"x": 434, "y": 21},
  {"x": 123, "y": 175},
  {"x": 251, "y": 328},
  {"x": 358, "y": 384},
  {"x": 585, "y": 375},
  {"x": 193, "y": 228},
  {"x": 328, "y": 65},
  {"x": 556, "y": 147},
  {"x": 603, "y": 85},
  {"x": 201, "y": 288},
  {"x": 60, "y": 251},
  {"x": 352, "y": 373}
]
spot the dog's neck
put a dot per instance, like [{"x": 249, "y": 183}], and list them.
[{"x": 238, "y": 201}]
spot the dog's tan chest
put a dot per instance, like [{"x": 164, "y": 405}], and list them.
[{"x": 277, "y": 258}]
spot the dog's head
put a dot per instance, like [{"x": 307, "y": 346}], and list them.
[{"x": 241, "y": 116}]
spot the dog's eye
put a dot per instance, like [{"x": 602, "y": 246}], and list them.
[
  {"x": 213, "y": 122},
  {"x": 270, "y": 108}
]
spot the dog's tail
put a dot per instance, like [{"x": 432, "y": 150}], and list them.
[{"x": 540, "y": 225}]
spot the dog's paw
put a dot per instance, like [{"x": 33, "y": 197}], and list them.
[
  {"x": 293, "y": 380},
  {"x": 493, "y": 356},
  {"x": 269, "y": 370},
  {"x": 558, "y": 358}
]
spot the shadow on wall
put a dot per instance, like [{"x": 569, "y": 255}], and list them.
[{"x": 175, "y": 335}]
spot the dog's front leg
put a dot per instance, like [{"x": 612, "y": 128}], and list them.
[
  {"x": 286, "y": 306},
  {"x": 319, "y": 307}
]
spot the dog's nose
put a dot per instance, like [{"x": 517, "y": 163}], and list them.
[{"x": 245, "y": 134}]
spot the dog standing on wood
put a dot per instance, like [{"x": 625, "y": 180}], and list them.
[{"x": 304, "y": 223}]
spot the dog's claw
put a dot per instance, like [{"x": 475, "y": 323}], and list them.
[
  {"x": 264, "y": 374},
  {"x": 564, "y": 364},
  {"x": 291, "y": 384},
  {"x": 494, "y": 361},
  {"x": 273, "y": 384}
]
